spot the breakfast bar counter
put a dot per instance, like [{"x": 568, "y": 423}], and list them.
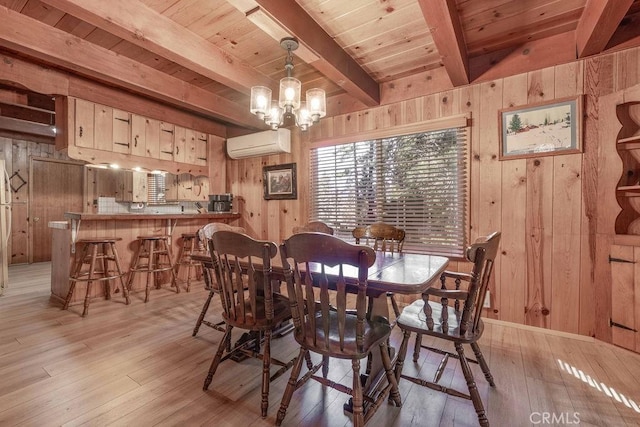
[{"x": 127, "y": 226}]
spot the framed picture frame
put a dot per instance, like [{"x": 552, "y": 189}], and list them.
[
  {"x": 543, "y": 129},
  {"x": 280, "y": 182}
]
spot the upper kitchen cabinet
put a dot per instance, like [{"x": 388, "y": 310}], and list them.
[{"x": 105, "y": 135}]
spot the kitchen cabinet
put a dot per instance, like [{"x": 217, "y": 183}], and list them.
[
  {"x": 138, "y": 135},
  {"x": 180, "y": 144},
  {"x": 104, "y": 135},
  {"x": 167, "y": 136},
  {"x": 201, "y": 147},
  {"x": 132, "y": 187},
  {"x": 84, "y": 124},
  {"x": 186, "y": 188},
  {"x": 121, "y": 131}
]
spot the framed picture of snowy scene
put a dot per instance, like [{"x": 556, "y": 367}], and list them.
[{"x": 543, "y": 129}]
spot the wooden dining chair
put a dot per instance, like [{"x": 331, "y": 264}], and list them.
[
  {"x": 203, "y": 236},
  {"x": 382, "y": 237},
  {"x": 460, "y": 325},
  {"x": 314, "y": 264},
  {"x": 243, "y": 271},
  {"x": 313, "y": 226}
]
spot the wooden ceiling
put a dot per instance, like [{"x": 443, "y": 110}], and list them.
[{"x": 204, "y": 55}]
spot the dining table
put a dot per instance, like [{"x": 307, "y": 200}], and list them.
[{"x": 399, "y": 273}]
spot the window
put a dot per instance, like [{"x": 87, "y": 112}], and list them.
[{"x": 417, "y": 182}]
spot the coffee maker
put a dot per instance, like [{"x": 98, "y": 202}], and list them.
[{"x": 220, "y": 202}]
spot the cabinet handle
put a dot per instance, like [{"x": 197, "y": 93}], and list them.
[
  {"x": 135, "y": 141},
  {"x": 166, "y": 152},
  {"x": 177, "y": 150},
  {"x": 202, "y": 158},
  {"x": 121, "y": 143},
  {"x": 202, "y": 139},
  {"x": 168, "y": 131},
  {"x": 80, "y": 132},
  {"x": 121, "y": 119}
]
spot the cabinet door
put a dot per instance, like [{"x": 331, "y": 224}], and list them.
[
  {"x": 171, "y": 187},
  {"x": 132, "y": 186},
  {"x": 121, "y": 131},
  {"x": 202, "y": 141},
  {"x": 138, "y": 135},
  {"x": 103, "y": 127},
  {"x": 139, "y": 187},
  {"x": 625, "y": 296},
  {"x": 167, "y": 131},
  {"x": 185, "y": 186},
  {"x": 190, "y": 156},
  {"x": 180, "y": 144},
  {"x": 152, "y": 138},
  {"x": 84, "y": 124},
  {"x": 200, "y": 190}
]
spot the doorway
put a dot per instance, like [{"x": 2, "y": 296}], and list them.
[{"x": 55, "y": 187}]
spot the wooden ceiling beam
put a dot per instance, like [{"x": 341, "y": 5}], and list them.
[
  {"x": 599, "y": 21},
  {"x": 136, "y": 23},
  {"x": 284, "y": 17},
  {"x": 52, "y": 46},
  {"x": 527, "y": 57},
  {"x": 446, "y": 30}
]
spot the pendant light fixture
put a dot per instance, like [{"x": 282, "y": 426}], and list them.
[{"x": 288, "y": 109}]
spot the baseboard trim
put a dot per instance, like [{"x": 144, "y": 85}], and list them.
[{"x": 541, "y": 330}]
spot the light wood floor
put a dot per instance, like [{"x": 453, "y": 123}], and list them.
[{"x": 139, "y": 365}]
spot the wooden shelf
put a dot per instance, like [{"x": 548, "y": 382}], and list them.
[
  {"x": 634, "y": 138},
  {"x": 626, "y": 239},
  {"x": 635, "y": 145},
  {"x": 633, "y": 189}
]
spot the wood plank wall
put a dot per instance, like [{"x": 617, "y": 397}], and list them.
[
  {"x": 552, "y": 271},
  {"x": 17, "y": 154}
]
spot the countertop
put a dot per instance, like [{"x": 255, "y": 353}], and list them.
[{"x": 139, "y": 216}]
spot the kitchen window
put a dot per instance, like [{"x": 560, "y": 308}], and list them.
[{"x": 417, "y": 182}]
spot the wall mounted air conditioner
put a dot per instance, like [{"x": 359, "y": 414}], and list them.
[{"x": 259, "y": 144}]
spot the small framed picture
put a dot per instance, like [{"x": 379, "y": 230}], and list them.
[
  {"x": 543, "y": 129},
  {"x": 279, "y": 182}
]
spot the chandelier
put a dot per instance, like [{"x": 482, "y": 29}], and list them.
[{"x": 288, "y": 109}]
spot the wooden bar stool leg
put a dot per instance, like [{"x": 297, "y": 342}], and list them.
[
  {"x": 189, "y": 265},
  {"x": 134, "y": 266},
  {"x": 94, "y": 256},
  {"x": 150, "y": 262},
  {"x": 105, "y": 269},
  {"x": 172, "y": 270},
  {"x": 116, "y": 259},
  {"x": 77, "y": 267}
]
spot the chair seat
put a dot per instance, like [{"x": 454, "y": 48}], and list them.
[
  {"x": 414, "y": 319},
  {"x": 374, "y": 333},
  {"x": 281, "y": 312}
]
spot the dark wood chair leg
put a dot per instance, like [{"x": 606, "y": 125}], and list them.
[
  {"x": 473, "y": 388},
  {"x": 417, "y": 347},
  {"x": 483, "y": 363},
  {"x": 216, "y": 359},
  {"x": 266, "y": 363},
  {"x": 205, "y": 308},
  {"x": 357, "y": 398},
  {"x": 291, "y": 386}
]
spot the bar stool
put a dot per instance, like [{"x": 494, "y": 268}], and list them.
[
  {"x": 156, "y": 250},
  {"x": 96, "y": 253},
  {"x": 190, "y": 246}
]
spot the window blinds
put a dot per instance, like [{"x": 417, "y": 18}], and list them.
[{"x": 416, "y": 182}]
